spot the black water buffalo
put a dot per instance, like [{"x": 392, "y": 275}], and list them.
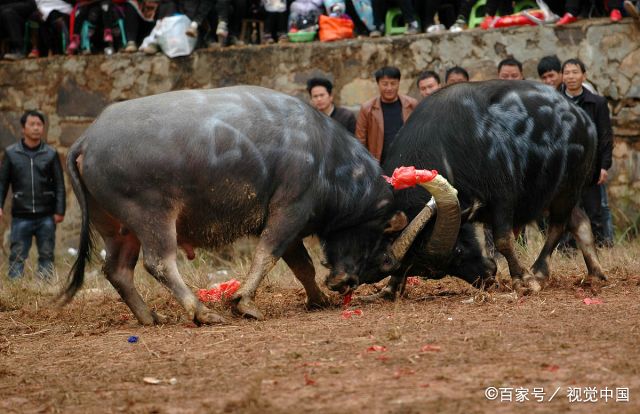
[
  {"x": 201, "y": 168},
  {"x": 512, "y": 149}
]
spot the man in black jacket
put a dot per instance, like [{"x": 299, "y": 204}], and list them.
[
  {"x": 573, "y": 76},
  {"x": 321, "y": 94},
  {"x": 33, "y": 171}
]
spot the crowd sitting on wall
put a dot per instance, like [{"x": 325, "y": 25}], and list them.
[{"x": 35, "y": 28}]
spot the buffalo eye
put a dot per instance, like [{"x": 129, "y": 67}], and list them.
[{"x": 458, "y": 251}]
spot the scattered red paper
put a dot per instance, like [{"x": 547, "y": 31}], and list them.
[
  {"x": 405, "y": 177},
  {"x": 377, "y": 348},
  {"x": 594, "y": 301},
  {"x": 430, "y": 348},
  {"x": 308, "y": 380},
  {"x": 413, "y": 281},
  {"x": 382, "y": 358},
  {"x": 551, "y": 368},
  {"x": 424, "y": 385},
  {"x": 219, "y": 291},
  {"x": 347, "y": 314},
  {"x": 347, "y": 299}
]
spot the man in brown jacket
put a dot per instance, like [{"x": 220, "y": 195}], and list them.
[{"x": 381, "y": 118}]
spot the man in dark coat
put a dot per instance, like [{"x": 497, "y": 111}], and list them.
[{"x": 321, "y": 94}]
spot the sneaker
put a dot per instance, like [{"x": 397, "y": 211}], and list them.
[
  {"x": 267, "y": 39},
  {"x": 35, "y": 53},
  {"x": 234, "y": 41},
  {"x": 566, "y": 19},
  {"x": 223, "y": 29},
  {"x": 631, "y": 9},
  {"x": 74, "y": 44},
  {"x": 435, "y": 28},
  {"x": 14, "y": 56},
  {"x": 283, "y": 38},
  {"x": 151, "y": 49},
  {"x": 488, "y": 22},
  {"x": 107, "y": 36},
  {"x": 375, "y": 33},
  {"x": 192, "y": 30},
  {"x": 458, "y": 26},
  {"x": 413, "y": 28},
  {"x": 108, "y": 51},
  {"x": 615, "y": 16},
  {"x": 131, "y": 47}
]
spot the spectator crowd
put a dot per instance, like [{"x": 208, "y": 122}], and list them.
[{"x": 34, "y": 28}]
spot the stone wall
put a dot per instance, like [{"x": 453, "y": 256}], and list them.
[{"x": 73, "y": 90}]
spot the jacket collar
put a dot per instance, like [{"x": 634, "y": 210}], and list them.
[
  {"x": 377, "y": 103},
  {"x": 23, "y": 149}
]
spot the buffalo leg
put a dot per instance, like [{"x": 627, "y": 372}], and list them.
[
  {"x": 580, "y": 227},
  {"x": 540, "y": 268},
  {"x": 160, "y": 250},
  {"x": 263, "y": 262},
  {"x": 521, "y": 278},
  {"x": 298, "y": 260},
  {"x": 394, "y": 287}
]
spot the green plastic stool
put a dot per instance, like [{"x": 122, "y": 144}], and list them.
[
  {"x": 477, "y": 11},
  {"x": 391, "y": 26}
]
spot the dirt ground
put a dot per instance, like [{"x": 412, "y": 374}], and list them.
[{"x": 438, "y": 350}]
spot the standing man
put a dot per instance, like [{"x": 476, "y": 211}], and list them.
[
  {"x": 550, "y": 71},
  {"x": 510, "y": 69},
  {"x": 574, "y": 74},
  {"x": 456, "y": 74},
  {"x": 321, "y": 94},
  {"x": 33, "y": 171},
  {"x": 381, "y": 118},
  {"x": 428, "y": 83}
]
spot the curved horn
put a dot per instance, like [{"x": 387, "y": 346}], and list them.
[{"x": 445, "y": 233}]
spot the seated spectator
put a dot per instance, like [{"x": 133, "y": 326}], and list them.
[
  {"x": 13, "y": 16},
  {"x": 428, "y": 82},
  {"x": 573, "y": 8},
  {"x": 464, "y": 11},
  {"x": 381, "y": 118},
  {"x": 275, "y": 24},
  {"x": 550, "y": 71},
  {"x": 89, "y": 15},
  {"x": 505, "y": 7},
  {"x": 53, "y": 18},
  {"x": 456, "y": 74},
  {"x": 510, "y": 69},
  {"x": 321, "y": 94},
  {"x": 380, "y": 8},
  {"x": 137, "y": 18},
  {"x": 431, "y": 7},
  {"x": 229, "y": 21}
]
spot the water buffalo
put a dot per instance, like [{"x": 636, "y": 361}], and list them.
[
  {"x": 512, "y": 149},
  {"x": 201, "y": 168}
]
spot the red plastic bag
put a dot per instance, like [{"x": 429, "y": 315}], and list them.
[
  {"x": 335, "y": 28},
  {"x": 405, "y": 177},
  {"x": 219, "y": 291}
]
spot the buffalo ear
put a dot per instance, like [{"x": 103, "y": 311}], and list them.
[{"x": 397, "y": 222}]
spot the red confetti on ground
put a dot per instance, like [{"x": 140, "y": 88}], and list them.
[
  {"x": 377, "y": 348},
  {"x": 430, "y": 348},
  {"x": 347, "y": 299},
  {"x": 423, "y": 385},
  {"x": 405, "y": 177},
  {"x": 124, "y": 317},
  {"x": 382, "y": 358},
  {"x": 308, "y": 380},
  {"x": 347, "y": 314},
  {"x": 594, "y": 301},
  {"x": 551, "y": 368},
  {"x": 219, "y": 291},
  {"x": 413, "y": 281}
]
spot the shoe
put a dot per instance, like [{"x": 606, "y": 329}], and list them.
[
  {"x": 234, "y": 41},
  {"x": 488, "y": 22},
  {"x": 375, "y": 33},
  {"x": 566, "y": 19},
  {"x": 107, "y": 36},
  {"x": 192, "y": 31},
  {"x": 108, "y": 51},
  {"x": 35, "y": 53},
  {"x": 435, "y": 28},
  {"x": 413, "y": 28},
  {"x": 615, "y": 16},
  {"x": 631, "y": 9},
  {"x": 283, "y": 38},
  {"x": 151, "y": 49},
  {"x": 14, "y": 56},
  {"x": 223, "y": 29},
  {"x": 267, "y": 39},
  {"x": 131, "y": 47},
  {"x": 458, "y": 26},
  {"x": 74, "y": 44}
]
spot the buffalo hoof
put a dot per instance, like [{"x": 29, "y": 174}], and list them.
[
  {"x": 159, "y": 319},
  {"x": 246, "y": 308},
  {"x": 207, "y": 317},
  {"x": 319, "y": 302},
  {"x": 384, "y": 295},
  {"x": 526, "y": 286}
]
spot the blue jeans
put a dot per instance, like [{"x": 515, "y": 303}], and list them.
[{"x": 22, "y": 232}]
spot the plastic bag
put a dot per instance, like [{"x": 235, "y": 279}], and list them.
[
  {"x": 335, "y": 28},
  {"x": 170, "y": 35}
]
